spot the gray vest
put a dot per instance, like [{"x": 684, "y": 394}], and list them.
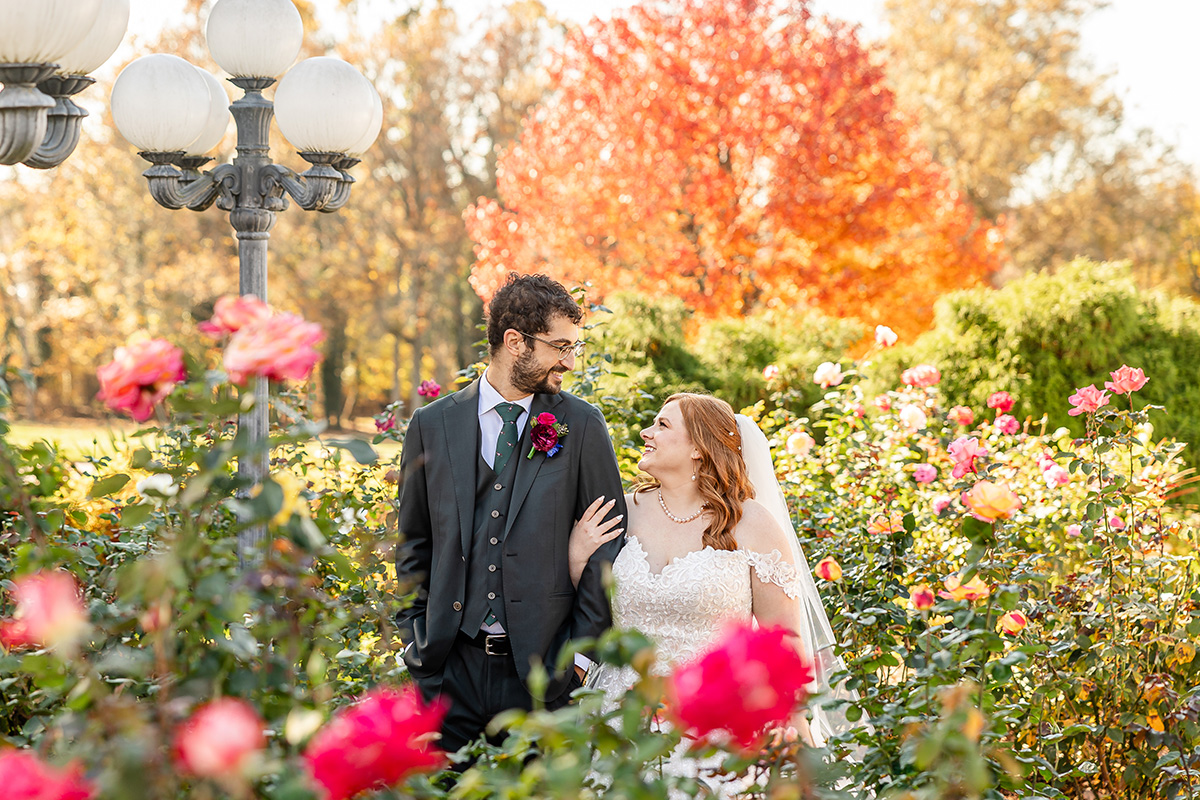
[{"x": 485, "y": 589}]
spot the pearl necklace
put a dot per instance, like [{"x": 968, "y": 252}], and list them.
[{"x": 672, "y": 517}]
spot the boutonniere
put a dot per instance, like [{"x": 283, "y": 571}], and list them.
[{"x": 547, "y": 435}]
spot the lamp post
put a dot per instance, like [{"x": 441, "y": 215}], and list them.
[
  {"x": 175, "y": 113},
  {"x": 47, "y": 49}
]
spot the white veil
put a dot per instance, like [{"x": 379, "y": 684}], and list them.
[{"x": 815, "y": 631}]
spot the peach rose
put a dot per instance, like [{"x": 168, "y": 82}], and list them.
[
  {"x": 921, "y": 597},
  {"x": 1013, "y": 622},
  {"x": 231, "y": 314},
  {"x": 989, "y": 501},
  {"x": 829, "y": 570}
]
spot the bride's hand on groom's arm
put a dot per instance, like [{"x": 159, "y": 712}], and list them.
[{"x": 591, "y": 531}]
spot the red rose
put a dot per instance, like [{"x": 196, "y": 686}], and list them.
[
  {"x": 752, "y": 680},
  {"x": 379, "y": 741}
]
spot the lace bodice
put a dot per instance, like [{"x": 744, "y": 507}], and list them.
[{"x": 684, "y": 608}]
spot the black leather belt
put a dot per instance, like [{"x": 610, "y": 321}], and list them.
[{"x": 494, "y": 644}]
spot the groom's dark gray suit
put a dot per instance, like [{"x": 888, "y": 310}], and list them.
[{"x": 440, "y": 469}]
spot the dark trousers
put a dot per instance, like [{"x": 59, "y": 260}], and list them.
[{"x": 479, "y": 686}]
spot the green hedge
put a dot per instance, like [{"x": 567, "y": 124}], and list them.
[{"x": 1043, "y": 336}]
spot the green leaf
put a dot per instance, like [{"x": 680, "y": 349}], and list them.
[
  {"x": 363, "y": 453},
  {"x": 135, "y": 514},
  {"x": 106, "y": 486}
]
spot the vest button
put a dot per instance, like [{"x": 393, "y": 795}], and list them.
[
  {"x": 498, "y": 487},
  {"x": 495, "y": 540},
  {"x": 491, "y": 595},
  {"x": 495, "y": 514},
  {"x": 491, "y": 567},
  {"x": 457, "y": 606}
]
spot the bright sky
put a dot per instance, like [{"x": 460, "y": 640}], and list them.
[{"x": 1146, "y": 44}]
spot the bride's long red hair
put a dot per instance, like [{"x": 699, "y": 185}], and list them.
[{"x": 721, "y": 475}]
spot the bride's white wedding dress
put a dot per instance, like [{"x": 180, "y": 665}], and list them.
[{"x": 684, "y": 610}]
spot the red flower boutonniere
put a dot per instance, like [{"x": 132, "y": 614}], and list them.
[{"x": 547, "y": 435}]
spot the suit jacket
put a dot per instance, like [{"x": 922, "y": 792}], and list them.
[{"x": 437, "y": 502}]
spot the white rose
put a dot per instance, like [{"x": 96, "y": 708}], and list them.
[
  {"x": 157, "y": 486},
  {"x": 913, "y": 417},
  {"x": 828, "y": 374}
]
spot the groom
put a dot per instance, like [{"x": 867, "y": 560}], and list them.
[{"x": 486, "y": 509}]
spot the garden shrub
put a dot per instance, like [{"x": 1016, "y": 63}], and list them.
[{"x": 1041, "y": 336}]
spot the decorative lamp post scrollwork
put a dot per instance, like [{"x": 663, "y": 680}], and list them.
[
  {"x": 175, "y": 113},
  {"x": 47, "y": 49}
]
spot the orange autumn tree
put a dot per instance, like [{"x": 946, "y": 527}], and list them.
[{"x": 739, "y": 154}]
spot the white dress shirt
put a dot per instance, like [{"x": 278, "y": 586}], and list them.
[{"x": 490, "y": 422}]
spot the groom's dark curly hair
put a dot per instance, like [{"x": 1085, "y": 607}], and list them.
[{"x": 528, "y": 303}]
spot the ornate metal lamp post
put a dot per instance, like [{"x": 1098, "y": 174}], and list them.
[
  {"x": 174, "y": 113},
  {"x": 47, "y": 47}
]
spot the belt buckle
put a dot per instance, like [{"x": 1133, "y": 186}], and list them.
[{"x": 499, "y": 638}]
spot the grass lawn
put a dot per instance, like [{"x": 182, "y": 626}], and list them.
[{"x": 79, "y": 437}]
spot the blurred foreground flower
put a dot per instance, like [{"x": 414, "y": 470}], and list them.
[
  {"x": 752, "y": 680},
  {"x": 24, "y": 776},
  {"x": 140, "y": 376},
  {"x": 379, "y": 741},
  {"x": 231, "y": 314},
  {"x": 49, "y": 613},
  {"x": 278, "y": 348},
  {"x": 220, "y": 740},
  {"x": 990, "y": 501}
]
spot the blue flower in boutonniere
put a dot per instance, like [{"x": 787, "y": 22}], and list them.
[{"x": 547, "y": 435}]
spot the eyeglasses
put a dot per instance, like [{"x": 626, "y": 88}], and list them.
[{"x": 564, "y": 350}]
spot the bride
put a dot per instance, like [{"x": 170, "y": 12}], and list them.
[{"x": 709, "y": 541}]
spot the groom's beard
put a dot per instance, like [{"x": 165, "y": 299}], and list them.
[{"x": 528, "y": 376}]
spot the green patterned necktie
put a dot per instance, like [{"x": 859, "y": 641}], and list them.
[{"x": 507, "y": 443}]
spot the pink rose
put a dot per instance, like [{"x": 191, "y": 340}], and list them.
[
  {"x": 1116, "y": 523},
  {"x": 925, "y": 473},
  {"x": 219, "y": 739},
  {"x": 752, "y": 680},
  {"x": 49, "y": 612},
  {"x": 278, "y": 348},
  {"x": 1087, "y": 400},
  {"x": 885, "y": 336},
  {"x": 1074, "y": 530},
  {"x": 941, "y": 503},
  {"x": 1126, "y": 380},
  {"x": 921, "y": 376},
  {"x": 386, "y": 424},
  {"x": 1001, "y": 401},
  {"x": 883, "y": 402},
  {"x": 961, "y": 415},
  {"x": 429, "y": 389},
  {"x": 25, "y": 776},
  {"x": 828, "y": 374},
  {"x": 140, "y": 376},
  {"x": 770, "y": 372},
  {"x": 858, "y": 410},
  {"x": 965, "y": 450},
  {"x": 1006, "y": 423},
  {"x": 379, "y": 741},
  {"x": 231, "y": 314},
  {"x": 1056, "y": 476},
  {"x": 546, "y": 418}
]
